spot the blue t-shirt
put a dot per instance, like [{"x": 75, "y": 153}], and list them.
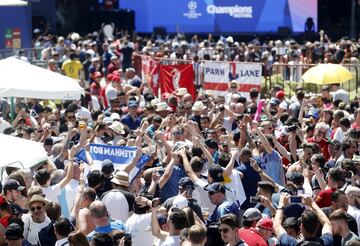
[
  {"x": 249, "y": 181},
  {"x": 326, "y": 240},
  {"x": 272, "y": 166},
  {"x": 113, "y": 225},
  {"x": 226, "y": 207},
  {"x": 171, "y": 188},
  {"x": 130, "y": 122}
]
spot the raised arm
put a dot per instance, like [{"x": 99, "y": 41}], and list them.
[
  {"x": 187, "y": 166},
  {"x": 279, "y": 215},
  {"x": 319, "y": 213},
  {"x": 230, "y": 166},
  {"x": 79, "y": 196},
  {"x": 281, "y": 148},
  {"x": 155, "y": 227},
  {"x": 70, "y": 168},
  {"x": 167, "y": 173},
  {"x": 133, "y": 163},
  {"x": 264, "y": 141},
  {"x": 197, "y": 143},
  {"x": 263, "y": 175}
]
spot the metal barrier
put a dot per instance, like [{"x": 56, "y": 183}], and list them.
[
  {"x": 286, "y": 75},
  {"x": 289, "y": 77}
]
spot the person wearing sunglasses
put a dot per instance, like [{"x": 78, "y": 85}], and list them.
[
  {"x": 217, "y": 196},
  {"x": 36, "y": 219},
  {"x": 229, "y": 227}
]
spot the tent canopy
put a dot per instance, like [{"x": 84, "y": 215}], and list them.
[
  {"x": 21, "y": 79},
  {"x": 20, "y": 152},
  {"x": 12, "y": 3}
]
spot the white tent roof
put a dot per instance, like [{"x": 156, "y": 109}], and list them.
[
  {"x": 21, "y": 79},
  {"x": 20, "y": 152},
  {"x": 13, "y": 3}
]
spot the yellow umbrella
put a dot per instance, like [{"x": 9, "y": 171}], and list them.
[{"x": 324, "y": 74}]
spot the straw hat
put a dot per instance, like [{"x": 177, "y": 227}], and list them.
[
  {"x": 121, "y": 178},
  {"x": 37, "y": 198},
  {"x": 181, "y": 91},
  {"x": 162, "y": 106},
  {"x": 198, "y": 106},
  {"x": 117, "y": 127}
]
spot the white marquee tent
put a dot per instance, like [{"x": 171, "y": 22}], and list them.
[
  {"x": 22, "y": 153},
  {"x": 21, "y": 79}
]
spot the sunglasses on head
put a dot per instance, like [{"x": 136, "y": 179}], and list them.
[{"x": 37, "y": 208}]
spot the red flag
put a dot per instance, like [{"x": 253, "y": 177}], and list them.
[
  {"x": 150, "y": 73},
  {"x": 173, "y": 77}
]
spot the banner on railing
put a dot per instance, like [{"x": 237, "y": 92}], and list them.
[
  {"x": 173, "y": 77},
  {"x": 217, "y": 76},
  {"x": 150, "y": 73}
]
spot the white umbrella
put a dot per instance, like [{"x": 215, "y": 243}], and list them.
[
  {"x": 21, "y": 79},
  {"x": 11, "y": 3},
  {"x": 20, "y": 152}
]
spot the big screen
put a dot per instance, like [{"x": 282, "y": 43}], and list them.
[{"x": 221, "y": 16}]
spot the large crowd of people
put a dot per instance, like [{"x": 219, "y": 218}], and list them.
[{"x": 223, "y": 170}]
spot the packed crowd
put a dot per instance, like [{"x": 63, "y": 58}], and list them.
[{"x": 224, "y": 170}]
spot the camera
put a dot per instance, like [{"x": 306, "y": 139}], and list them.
[
  {"x": 155, "y": 202},
  {"x": 255, "y": 199},
  {"x": 295, "y": 199}
]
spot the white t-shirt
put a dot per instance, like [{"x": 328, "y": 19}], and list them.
[
  {"x": 236, "y": 187},
  {"x": 355, "y": 212},
  {"x": 31, "y": 229},
  {"x": 139, "y": 226},
  {"x": 52, "y": 193},
  {"x": 171, "y": 241},
  {"x": 117, "y": 205},
  {"x": 339, "y": 135},
  {"x": 70, "y": 193},
  {"x": 110, "y": 93},
  {"x": 202, "y": 196}
]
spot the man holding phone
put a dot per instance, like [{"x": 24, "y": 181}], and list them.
[
  {"x": 186, "y": 188},
  {"x": 310, "y": 221}
]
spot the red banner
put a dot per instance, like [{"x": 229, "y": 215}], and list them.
[
  {"x": 150, "y": 73},
  {"x": 173, "y": 77}
]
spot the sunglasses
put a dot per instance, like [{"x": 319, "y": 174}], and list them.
[
  {"x": 71, "y": 117},
  {"x": 226, "y": 230},
  {"x": 178, "y": 133},
  {"x": 321, "y": 132},
  {"x": 210, "y": 193},
  {"x": 37, "y": 208}
]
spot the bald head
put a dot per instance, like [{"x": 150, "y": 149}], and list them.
[{"x": 98, "y": 209}]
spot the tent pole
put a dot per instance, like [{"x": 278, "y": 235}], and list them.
[{"x": 12, "y": 109}]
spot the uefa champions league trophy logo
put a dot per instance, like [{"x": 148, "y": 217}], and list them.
[
  {"x": 192, "y": 14},
  {"x": 192, "y": 5}
]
